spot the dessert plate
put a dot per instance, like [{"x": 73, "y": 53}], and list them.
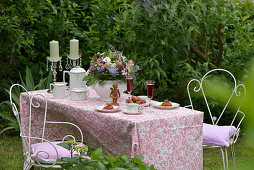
[
  {"x": 158, "y": 105},
  {"x": 100, "y": 109},
  {"x": 131, "y": 113}
]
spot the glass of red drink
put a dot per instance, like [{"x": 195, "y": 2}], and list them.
[
  {"x": 150, "y": 89},
  {"x": 129, "y": 81}
]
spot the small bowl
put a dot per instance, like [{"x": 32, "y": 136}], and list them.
[
  {"x": 133, "y": 108},
  {"x": 78, "y": 94}
]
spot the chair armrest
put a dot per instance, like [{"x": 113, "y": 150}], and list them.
[{"x": 68, "y": 123}]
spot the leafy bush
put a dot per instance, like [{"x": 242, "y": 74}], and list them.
[{"x": 98, "y": 160}]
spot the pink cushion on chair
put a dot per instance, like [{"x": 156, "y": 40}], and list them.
[
  {"x": 47, "y": 147},
  {"x": 218, "y": 135}
]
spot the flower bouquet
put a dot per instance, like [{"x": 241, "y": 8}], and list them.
[
  {"x": 108, "y": 68},
  {"x": 110, "y": 65}
]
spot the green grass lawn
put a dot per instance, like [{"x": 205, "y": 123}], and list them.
[
  {"x": 212, "y": 158},
  {"x": 11, "y": 155}
]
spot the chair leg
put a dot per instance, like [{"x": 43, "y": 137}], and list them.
[
  {"x": 233, "y": 155},
  {"x": 223, "y": 158},
  {"x": 226, "y": 155},
  {"x": 29, "y": 167}
]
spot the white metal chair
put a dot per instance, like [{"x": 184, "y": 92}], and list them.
[
  {"x": 235, "y": 91},
  {"x": 29, "y": 161}
]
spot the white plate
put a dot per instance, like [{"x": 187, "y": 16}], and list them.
[
  {"x": 131, "y": 113},
  {"x": 158, "y": 105},
  {"x": 100, "y": 109}
]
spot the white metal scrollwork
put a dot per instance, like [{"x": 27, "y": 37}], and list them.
[
  {"x": 200, "y": 87},
  {"x": 35, "y": 104}
]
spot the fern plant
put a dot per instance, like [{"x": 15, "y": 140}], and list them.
[{"x": 8, "y": 119}]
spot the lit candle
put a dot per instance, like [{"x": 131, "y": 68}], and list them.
[
  {"x": 54, "y": 49},
  {"x": 74, "y": 48}
]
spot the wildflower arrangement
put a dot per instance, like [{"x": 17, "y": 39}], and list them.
[{"x": 110, "y": 65}]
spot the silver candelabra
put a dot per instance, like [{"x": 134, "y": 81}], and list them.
[
  {"x": 53, "y": 67},
  {"x": 73, "y": 62}
]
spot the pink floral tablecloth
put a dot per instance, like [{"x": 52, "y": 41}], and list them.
[{"x": 168, "y": 139}]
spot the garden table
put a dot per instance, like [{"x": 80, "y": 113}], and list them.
[{"x": 168, "y": 139}]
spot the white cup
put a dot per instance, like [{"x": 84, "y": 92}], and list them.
[
  {"x": 133, "y": 108},
  {"x": 79, "y": 94},
  {"x": 58, "y": 90}
]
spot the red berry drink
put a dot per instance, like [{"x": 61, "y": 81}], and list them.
[
  {"x": 129, "y": 84},
  {"x": 150, "y": 89}
]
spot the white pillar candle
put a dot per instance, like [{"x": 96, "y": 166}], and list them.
[
  {"x": 54, "y": 49},
  {"x": 74, "y": 48}
]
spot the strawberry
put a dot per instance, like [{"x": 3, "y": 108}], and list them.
[
  {"x": 138, "y": 102},
  {"x": 166, "y": 103},
  {"x": 139, "y": 98},
  {"x": 128, "y": 100},
  {"x": 143, "y": 101},
  {"x": 134, "y": 99},
  {"x": 108, "y": 107}
]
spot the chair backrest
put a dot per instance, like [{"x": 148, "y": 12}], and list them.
[
  {"x": 32, "y": 105},
  {"x": 235, "y": 90}
]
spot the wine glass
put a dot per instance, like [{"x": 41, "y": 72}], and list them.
[
  {"x": 129, "y": 80},
  {"x": 150, "y": 89}
]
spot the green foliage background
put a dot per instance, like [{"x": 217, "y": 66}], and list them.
[{"x": 156, "y": 34}]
